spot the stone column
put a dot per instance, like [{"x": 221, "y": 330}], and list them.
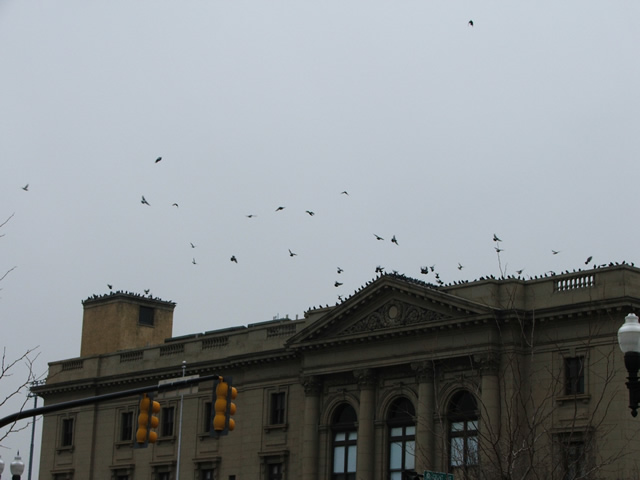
[
  {"x": 366, "y": 439},
  {"x": 425, "y": 433},
  {"x": 312, "y": 388},
  {"x": 490, "y": 411}
]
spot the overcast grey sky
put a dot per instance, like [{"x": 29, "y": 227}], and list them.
[{"x": 525, "y": 125}]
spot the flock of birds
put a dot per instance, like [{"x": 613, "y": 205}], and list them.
[{"x": 379, "y": 270}]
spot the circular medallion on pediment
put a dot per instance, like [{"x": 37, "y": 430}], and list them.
[{"x": 393, "y": 313}]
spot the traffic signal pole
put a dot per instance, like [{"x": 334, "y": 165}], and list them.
[{"x": 177, "y": 384}]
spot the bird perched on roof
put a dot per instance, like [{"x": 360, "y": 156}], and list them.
[
  {"x": 158, "y": 159},
  {"x": 234, "y": 259},
  {"x": 393, "y": 240},
  {"x": 378, "y": 237},
  {"x": 471, "y": 23},
  {"x": 291, "y": 254},
  {"x": 144, "y": 201},
  {"x": 26, "y": 187}
]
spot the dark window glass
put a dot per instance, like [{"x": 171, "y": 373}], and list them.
[
  {"x": 574, "y": 375},
  {"x": 67, "y": 432},
  {"x": 277, "y": 408},
  {"x": 574, "y": 460},
  {"x": 146, "y": 316},
  {"x": 207, "y": 420},
  {"x": 402, "y": 440},
  {"x": 126, "y": 426},
  {"x": 345, "y": 443},
  {"x": 274, "y": 471},
  {"x": 167, "y": 421},
  {"x": 463, "y": 431},
  {"x": 206, "y": 474}
]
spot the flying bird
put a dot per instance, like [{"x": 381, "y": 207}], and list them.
[
  {"x": 26, "y": 187},
  {"x": 471, "y": 23},
  {"x": 340, "y": 270},
  {"x": 279, "y": 208},
  {"x": 234, "y": 259},
  {"x": 519, "y": 272},
  {"x": 337, "y": 284},
  {"x": 378, "y": 237},
  {"x": 194, "y": 261},
  {"x": 588, "y": 260},
  {"x": 495, "y": 238},
  {"x": 146, "y": 292},
  {"x": 460, "y": 266},
  {"x": 174, "y": 204},
  {"x": 344, "y": 192},
  {"x": 291, "y": 254},
  {"x": 192, "y": 245},
  {"x": 158, "y": 159},
  {"x": 144, "y": 201},
  {"x": 393, "y": 240},
  {"x": 432, "y": 267},
  {"x": 110, "y": 286},
  {"x": 498, "y": 249},
  {"x": 379, "y": 269},
  {"x": 311, "y": 214},
  {"x": 251, "y": 215},
  {"x": 555, "y": 252},
  {"x": 424, "y": 270}
]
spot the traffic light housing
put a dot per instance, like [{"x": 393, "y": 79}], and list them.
[
  {"x": 223, "y": 394},
  {"x": 147, "y": 420}
]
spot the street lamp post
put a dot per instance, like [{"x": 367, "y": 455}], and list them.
[
  {"x": 16, "y": 467},
  {"x": 629, "y": 340}
]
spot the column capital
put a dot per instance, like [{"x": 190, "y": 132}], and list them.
[
  {"x": 366, "y": 377},
  {"x": 425, "y": 371},
  {"x": 312, "y": 385},
  {"x": 489, "y": 363}
]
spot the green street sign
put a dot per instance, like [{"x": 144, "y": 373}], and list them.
[{"x": 437, "y": 475}]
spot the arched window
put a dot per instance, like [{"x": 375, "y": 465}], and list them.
[
  {"x": 402, "y": 439},
  {"x": 463, "y": 431},
  {"x": 345, "y": 439}
]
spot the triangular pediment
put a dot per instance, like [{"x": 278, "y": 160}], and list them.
[{"x": 389, "y": 305}]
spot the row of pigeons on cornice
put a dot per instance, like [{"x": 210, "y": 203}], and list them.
[
  {"x": 415, "y": 281},
  {"x": 147, "y": 296}
]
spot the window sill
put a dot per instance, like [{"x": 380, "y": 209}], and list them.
[
  {"x": 576, "y": 397},
  {"x": 68, "y": 448},
  {"x": 282, "y": 426}
]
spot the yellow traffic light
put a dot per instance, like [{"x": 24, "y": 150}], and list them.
[
  {"x": 224, "y": 393},
  {"x": 147, "y": 420}
]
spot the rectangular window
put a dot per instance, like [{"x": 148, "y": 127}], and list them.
[
  {"x": 67, "y": 432},
  {"x": 206, "y": 474},
  {"x": 126, "y": 426},
  {"x": 167, "y": 421},
  {"x": 275, "y": 471},
  {"x": 164, "y": 476},
  {"x": 146, "y": 316},
  {"x": 574, "y": 460},
  {"x": 206, "y": 417},
  {"x": 277, "y": 408},
  {"x": 574, "y": 375}
]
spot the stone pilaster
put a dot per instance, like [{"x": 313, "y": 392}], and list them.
[
  {"x": 312, "y": 389},
  {"x": 425, "y": 433},
  {"x": 366, "y": 439}
]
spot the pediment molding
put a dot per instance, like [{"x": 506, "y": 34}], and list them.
[{"x": 393, "y": 314}]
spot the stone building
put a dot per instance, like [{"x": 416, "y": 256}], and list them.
[{"x": 495, "y": 378}]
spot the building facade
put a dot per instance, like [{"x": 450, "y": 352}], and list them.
[{"x": 491, "y": 379}]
